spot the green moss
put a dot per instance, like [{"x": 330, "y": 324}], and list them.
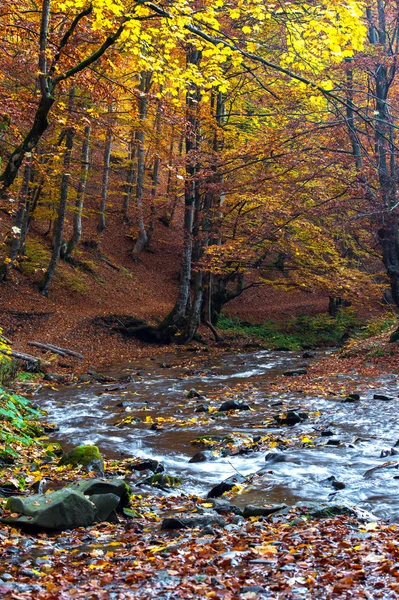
[
  {"x": 87, "y": 456},
  {"x": 74, "y": 280},
  {"x": 37, "y": 257}
]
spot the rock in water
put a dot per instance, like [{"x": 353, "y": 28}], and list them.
[
  {"x": 290, "y": 418},
  {"x": 193, "y": 394},
  {"x": 233, "y": 405},
  {"x": 382, "y": 397},
  {"x": 63, "y": 509},
  {"x": 226, "y": 486},
  {"x": 87, "y": 456},
  {"x": 203, "y": 456}
]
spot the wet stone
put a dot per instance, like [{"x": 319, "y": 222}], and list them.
[
  {"x": 295, "y": 372},
  {"x": 382, "y": 397},
  {"x": 292, "y": 417},
  {"x": 233, "y": 405},
  {"x": 327, "y": 433},
  {"x": 275, "y": 457},
  {"x": 354, "y": 397},
  {"x": 261, "y": 511},
  {"x": 202, "y": 408},
  {"x": 203, "y": 456},
  {"x": 191, "y": 521},
  {"x": 193, "y": 393},
  {"x": 150, "y": 465},
  {"x": 226, "y": 486}
]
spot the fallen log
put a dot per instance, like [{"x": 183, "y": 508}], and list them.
[
  {"x": 20, "y": 356},
  {"x": 56, "y": 349}
]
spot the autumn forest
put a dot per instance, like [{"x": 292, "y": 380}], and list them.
[{"x": 199, "y": 294}]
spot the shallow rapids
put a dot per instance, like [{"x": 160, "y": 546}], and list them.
[{"x": 158, "y": 388}]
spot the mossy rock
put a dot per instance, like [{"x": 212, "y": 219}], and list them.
[
  {"x": 60, "y": 510},
  {"x": 115, "y": 486},
  {"x": 161, "y": 480},
  {"x": 87, "y": 456}
]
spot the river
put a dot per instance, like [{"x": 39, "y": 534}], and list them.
[{"x": 155, "y": 390}]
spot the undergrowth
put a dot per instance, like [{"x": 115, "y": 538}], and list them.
[
  {"x": 301, "y": 333},
  {"x": 18, "y": 424}
]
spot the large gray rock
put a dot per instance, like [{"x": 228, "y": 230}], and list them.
[
  {"x": 90, "y": 487},
  {"x": 106, "y": 505},
  {"x": 63, "y": 509}
]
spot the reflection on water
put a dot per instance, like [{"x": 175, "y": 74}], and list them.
[{"x": 361, "y": 430}]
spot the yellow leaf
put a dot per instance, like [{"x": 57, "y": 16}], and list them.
[{"x": 267, "y": 549}]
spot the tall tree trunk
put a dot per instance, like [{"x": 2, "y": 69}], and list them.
[
  {"x": 77, "y": 218},
  {"x": 106, "y": 163},
  {"x": 130, "y": 178},
  {"x": 177, "y": 318},
  {"x": 18, "y": 222},
  {"x": 142, "y": 239},
  {"x": 155, "y": 172},
  {"x": 45, "y": 283}
]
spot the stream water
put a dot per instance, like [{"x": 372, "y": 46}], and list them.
[{"x": 88, "y": 413}]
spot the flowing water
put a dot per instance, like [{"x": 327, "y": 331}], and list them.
[{"x": 158, "y": 388}]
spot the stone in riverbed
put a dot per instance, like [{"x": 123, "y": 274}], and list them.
[
  {"x": 148, "y": 465},
  {"x": 191, "y": 521},
  {"x": 224, "y": 506},
  {"x": 233, "y": 405},
  {"x": 275, "y": 457},
  {"x": 226, "y": 486},
  {"x": 87, "y": 456},
  {"x": 251, "y": 510},
  {"x": 203, "y": 456},
  {"x": 382, "y": 397},
  {"x": 295, "y": 372},
  {"x": 60, "y": 510},
  {"x": 355, "y": 397},
  {"x": 193, "y": 394},
  {"x": 202, "y": 408},
  {"x": 291, "y": 417}
]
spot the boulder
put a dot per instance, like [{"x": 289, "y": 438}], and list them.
[
  {"x": 87, "y": 456},
  {"x": 275, "y": 457},
  {"x": 355, "y": 397},
  {"x": 106, "y": 505},
  {"x": 202, "y": 408},
  {"x": 233, "y": 405},
  {"x": 116, "y": 487},
  {"x": 60, "y": 510}
]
